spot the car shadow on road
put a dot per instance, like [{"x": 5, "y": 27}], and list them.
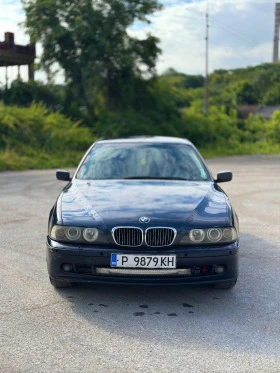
[{"x": 197, "y": 313}]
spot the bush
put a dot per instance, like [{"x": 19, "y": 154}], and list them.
[
  {"x": 210, "y": 129},
  {"x": 274, "y": 129},
  {"x": 33, "y": 137}
]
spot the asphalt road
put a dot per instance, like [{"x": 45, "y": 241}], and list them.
[{"x": 140, "y": 329}]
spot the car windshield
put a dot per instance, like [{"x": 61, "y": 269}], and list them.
[{"x": 142, "y": 161}]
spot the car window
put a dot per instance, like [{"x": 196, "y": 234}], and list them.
[{"x": 130, "y": 160}]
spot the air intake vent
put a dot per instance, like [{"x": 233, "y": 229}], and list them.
[
  {"x": 128, "y": 236},
  {"x": 160, "y": 236}
]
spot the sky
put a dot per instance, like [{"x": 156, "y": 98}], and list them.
[{"x": 240, "y": 34}]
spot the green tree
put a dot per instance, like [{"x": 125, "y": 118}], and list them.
[
  {"x": 221, "y": 77},
  {"x": 216, "y": 128},
  {"x": 170, "y": 72},
  {"x": 272, "y": 95},
  {"x": 193, "y": 81},
  {"x": 274, "y": 128},
  {"x": 246, "y": 94},
  {"x": 24, "y": 93},
  {"x": 89, "y": 40}
]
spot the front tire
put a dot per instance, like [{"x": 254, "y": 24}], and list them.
[
  {"x": 60, "y": 283},
  {"x": 227, "y": 285}
]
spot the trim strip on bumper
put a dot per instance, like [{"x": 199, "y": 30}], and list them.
[{"x": 143, "y": 272}]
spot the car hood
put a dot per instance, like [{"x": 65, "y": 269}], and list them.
[{"x": 111, "y": 203}]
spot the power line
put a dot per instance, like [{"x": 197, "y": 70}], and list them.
[
  {"x": 233, "y": 32},
  {"x": 227, "y": 28}
]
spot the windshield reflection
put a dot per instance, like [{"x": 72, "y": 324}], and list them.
[{"x": 142, "y": 161}]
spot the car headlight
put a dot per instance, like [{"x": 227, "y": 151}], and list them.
[
  {"x": 72, "y": 234},
  {"x": 210, "y": 236},
  {"x": 90, "y": 234},
  {"x": 197, "y": 235}
]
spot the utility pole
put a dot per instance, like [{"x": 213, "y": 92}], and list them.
[
  {"x": 7, "y": 78},
  {"x": 276, "y": 34},
  {"x": 206, "y": 84}
]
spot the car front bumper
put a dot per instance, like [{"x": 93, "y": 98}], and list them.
[{"x": 87, "y": 261}]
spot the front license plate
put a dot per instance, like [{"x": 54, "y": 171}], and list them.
[{"x": 143, "y": 261}]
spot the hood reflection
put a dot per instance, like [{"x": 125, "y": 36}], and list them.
[{"x": 107, "y": 203}]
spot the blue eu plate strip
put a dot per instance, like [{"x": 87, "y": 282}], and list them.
[{"x": 113, "y": 260}]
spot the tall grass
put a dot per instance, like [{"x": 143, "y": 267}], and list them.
[{"x": 36, "y": 138}]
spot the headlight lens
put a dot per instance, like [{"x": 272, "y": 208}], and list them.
[
  {"x": 197, "y": 235},
  {"x": 58, "y": 232},
  {"x": 210, "y": 236},
  {"x": 73, "y": 233},
  {"x": 90, "y": 234},
  {"x": 227, "y": 233},
  {"x": 77, "y": 234},
  {"x": 214, "y": 234}
]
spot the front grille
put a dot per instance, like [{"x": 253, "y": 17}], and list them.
[
  {"x": 128, "y": 236},
  {"x": 159, "y": 236},
  {"x": 154, "y": 237}
]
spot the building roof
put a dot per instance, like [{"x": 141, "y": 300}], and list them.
[
  {"x": 246, "y": 110},
  {"x": 267, "y": 111},
  {"x": 12, "y": 54}
]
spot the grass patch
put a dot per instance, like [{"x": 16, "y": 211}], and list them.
[
  {"x": 34, "y": 159},
  {"x": 11, "y": 160},
  {"x": 239, "y": 149}
]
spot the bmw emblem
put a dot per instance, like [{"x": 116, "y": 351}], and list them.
[{"x": 144, "y": 219}]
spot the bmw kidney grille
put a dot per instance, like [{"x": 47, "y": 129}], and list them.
[
  {"x": 128, "y": 236},
  {"x": 154, "y": 237},
  {"x": 159, "y": 236}
]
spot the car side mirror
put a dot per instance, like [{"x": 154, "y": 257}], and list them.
[
  {"x": 63, "y": 175},
  {"x": 223, "y": 177}
]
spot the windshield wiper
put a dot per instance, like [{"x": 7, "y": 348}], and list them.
[{"x": 153, "y": 178}]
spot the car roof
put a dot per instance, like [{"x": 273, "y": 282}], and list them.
[{"x": 148, "y": 139}]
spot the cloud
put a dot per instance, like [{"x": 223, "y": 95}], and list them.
[
  {"x": 11, "y": 17},
  {"x": 241, "y": 33}
]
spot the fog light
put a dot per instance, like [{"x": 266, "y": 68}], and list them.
[
  {"x": 219, "y": 269},
  {"x": 67, "y": 267}
]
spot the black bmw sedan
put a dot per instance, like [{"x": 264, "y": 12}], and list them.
[{"x": 143, "y": 210}]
